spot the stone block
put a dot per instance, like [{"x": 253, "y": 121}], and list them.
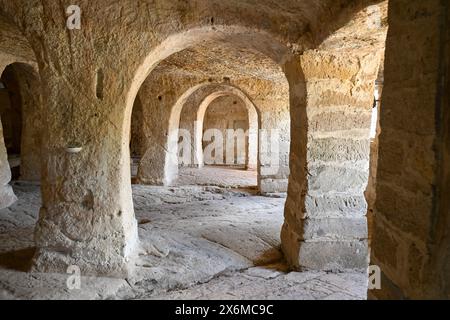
[
  {"x": 324, "y": 179},
  {"x": 335, "y": 229},
  {"x": 335, "y": 206},
  {"x": 332, "y": 149},
  {"x": 334, "y": 255}
]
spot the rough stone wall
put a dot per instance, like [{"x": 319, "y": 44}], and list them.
[
  {"x": 158, "y": 96},
  {"x": 409, "y": 241},
  {"x": 223, "y": 114}
]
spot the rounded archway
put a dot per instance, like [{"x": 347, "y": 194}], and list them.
[
  {"x": 20, "y": 109},
  {"x": 275, "y": 169},
  {"x": 270, "y": 111},
  {"x": 253, "y": 126},
  {"x": 195, "y": 131}
]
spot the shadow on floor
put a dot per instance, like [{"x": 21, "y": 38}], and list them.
[
  {"x": 19, "y": 260},
  {"x": 272, "y": 259}
]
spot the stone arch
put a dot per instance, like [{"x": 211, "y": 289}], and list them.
[
  {"x": 242, "y": 38},
  {"x": 17, "y": 58},
  {"x": 253, "y": 124},
  {"x": 171, "y": 159}
]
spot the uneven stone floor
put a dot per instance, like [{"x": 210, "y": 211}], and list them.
[{"x": 197, "y": 243}]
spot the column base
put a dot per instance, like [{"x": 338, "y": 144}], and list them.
[
  {"x": 7, "y": 196},
  {"x": 101, "y": 248},
  {"x": 324, "y": 255},
  {"x": 51, "y": 261}
]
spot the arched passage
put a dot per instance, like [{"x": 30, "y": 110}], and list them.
[
  {"x": 159, "y": 164},
  {"x": 20, "y": 138},
  {"x": 106, "y": 139},
  {"x": 253, "y": 121},
  {"x": 274, "y": 165},
  {"x": 195, "y": 131},
  {"x": 273, "y": 175},
  {"x": 21, "y": 119}
]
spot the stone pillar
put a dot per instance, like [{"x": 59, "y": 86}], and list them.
[
  {"x": 87, "y": 216},
  {"x": 162, "y": 103},
  {"x": 410, "y": 243},
  {"x": 274, "y": 148},
  {"x": 155, "y": 118},
  {"x": 332, "y": 231},
  {"x": 7, "y": 196}
]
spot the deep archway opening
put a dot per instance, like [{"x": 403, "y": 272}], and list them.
[
  {"x": 226, "y": 143},
  {"x": 174, "y": 88},
  {"x": 203, "y": 86},
  {"x": 21, "y": 118},
  {"x": 20, "y": 115},
  {"x": 20, "y": 147},
  {"x": 325, "y": 221},
  {"x": 11, "y": 119}
]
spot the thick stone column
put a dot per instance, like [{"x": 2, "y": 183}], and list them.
[
  {"x": 87, "y": 216},
  {"x": 331, "y": 220},
  {"x": 274, "y": 147},
  {"x": 411, "y": 242},
  {"x": 162, "y": 103},
  {"x": 155, "y": 119}
]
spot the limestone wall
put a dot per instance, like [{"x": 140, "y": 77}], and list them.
[
  {"x": 409, "y": 242},
  {"x": 158, "y": 96}
]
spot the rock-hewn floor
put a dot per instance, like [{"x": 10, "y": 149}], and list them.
[{"x": 197, "y": 243}]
